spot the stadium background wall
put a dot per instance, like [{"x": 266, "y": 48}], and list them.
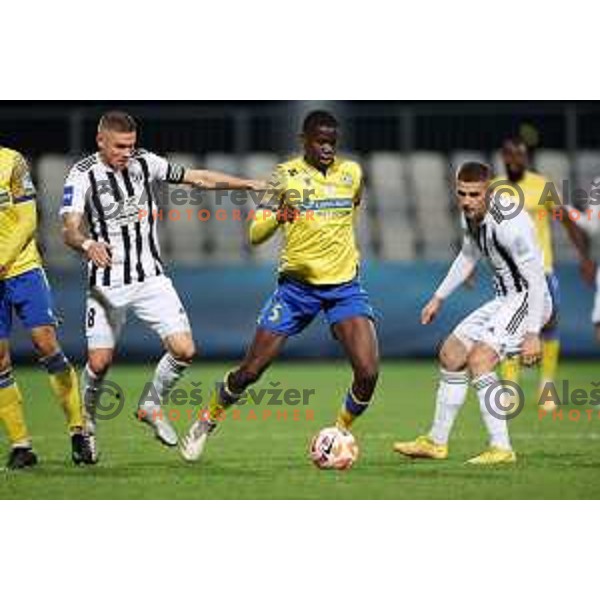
[{"x": 223, "y": 303}]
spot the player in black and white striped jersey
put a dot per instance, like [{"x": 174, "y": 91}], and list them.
[
  {"x": 112, "y": 191},
  {"x": 508, "y": 325}
]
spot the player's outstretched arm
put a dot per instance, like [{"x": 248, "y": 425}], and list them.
[
  {"x": 74, "y": 237},
  {"x": 578, "y": 234},
  {"x": 461, "y": 269},
  {"x": 213, "y": 180}
]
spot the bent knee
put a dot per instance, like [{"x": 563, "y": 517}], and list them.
[
  {"x": 452, "y": 355},
  {"x": 46, "y": 344},
  {"x": 99, "y": 363},
  {"x": 482, "y": 359},
  {"x": 184, "y": 353},
  {"x": 5, "y": 363}
]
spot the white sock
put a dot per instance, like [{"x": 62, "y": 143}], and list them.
[
  {"x": 497, "y": 427},
  {"x": 451, "y": 394},
  {"x": 168, "y": 372},
  {"x": 90, "y": 388}
]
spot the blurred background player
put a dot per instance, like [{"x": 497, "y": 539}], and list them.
[
  {"x": 589, "y": 224},
  {"x": 114, "y": 189},
  {"x": 509, "y": 324},
  {"x": 24, "y": 290},
  {"x": 318, "y": 271},
  {"x": 538, "y": 202}
]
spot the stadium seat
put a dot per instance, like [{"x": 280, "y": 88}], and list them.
[
  {"x": 387, "y": 182},
  {"x": 259, "y": 165},
  {"x": 228, "y": 236},
  {"x": 429, "y": 181},
  {"x": 498, "y": 164},
  {"x": 397, "y": 239},
  {"x": 52, "y": 170},
  {"x": 587, "y": 168},
  {"x": 186, "y": 237},
  {"x": 554, "y": 164},
  {"x": 458, "y": 157}
]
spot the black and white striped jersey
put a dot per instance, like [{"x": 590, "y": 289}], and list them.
[
  {"x": 510, "y": 248},
  {"x": 507, "y": 245},
  {"x": 120, "y": 209}
]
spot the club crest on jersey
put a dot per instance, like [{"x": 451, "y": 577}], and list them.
[
  {"x": 347, "y": 179},
  {"x": 28, "y": 186}
]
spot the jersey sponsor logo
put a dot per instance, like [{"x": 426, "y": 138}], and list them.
[
  {"x": 68, "y": 196},
  {"x": 328, "y": 204}
]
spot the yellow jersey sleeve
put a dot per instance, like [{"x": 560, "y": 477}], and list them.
[
  {"x": 18, "y": 216},
  {"x": 21, "y": 185}
]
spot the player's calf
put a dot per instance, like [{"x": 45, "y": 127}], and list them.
[
  {"x": 169, "y": 371},
  {"x": 225, "y": 394},
  {"x": 481, "y": 361},
  {"x": 451, "y": 395},
  {"x": 359, "y": 396}
]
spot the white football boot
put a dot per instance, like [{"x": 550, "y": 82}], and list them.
[
  {"x": 192, "y": 445},
  {"x": 151, "y": 414}
]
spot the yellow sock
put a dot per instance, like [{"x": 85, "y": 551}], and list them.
[
  {"x": 344, "y": 418},
  {"x": 510, "y": 369},
  {"x": 351, "y": 409},
  {"x": 221, "y": 399},
  {"x": 65, "y": 385},
  {"x": 550, "y": 354},
  {"x": 11, "y": 411}
]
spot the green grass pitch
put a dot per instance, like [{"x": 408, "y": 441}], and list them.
[{"x": 267, "y": 458}]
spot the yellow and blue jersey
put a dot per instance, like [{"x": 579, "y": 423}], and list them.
[
  {"x": 319, "y": 248},
  {"x": 319, "y": 261},
  {"x": 18, "y": 248},
  {"x": 24, "y": 289}
]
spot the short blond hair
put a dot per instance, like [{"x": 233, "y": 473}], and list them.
[{"x": 118, "y": 121}]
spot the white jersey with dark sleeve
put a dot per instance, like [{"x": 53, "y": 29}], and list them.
[
  {"x": 120, "y": 210},
  {"x": 510, "y": 248}
]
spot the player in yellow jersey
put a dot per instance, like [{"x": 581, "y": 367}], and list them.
[
  {"x": 318, "y": 196},
  {"x": 539, "y": 200},
  {"x": 24, "y": 291}
]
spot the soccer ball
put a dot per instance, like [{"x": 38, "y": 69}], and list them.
[{"x": 333, "y": 448}]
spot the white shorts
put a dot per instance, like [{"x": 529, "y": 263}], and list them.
[
  {"x": 499, "y": 324},
  {"x": 154, "y": 301},
  {"x": 596, "y": 309}
]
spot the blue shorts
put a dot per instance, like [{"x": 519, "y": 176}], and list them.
[
  {"x": 29, "y": 296},
  {"x": 294, "y": 305}
]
